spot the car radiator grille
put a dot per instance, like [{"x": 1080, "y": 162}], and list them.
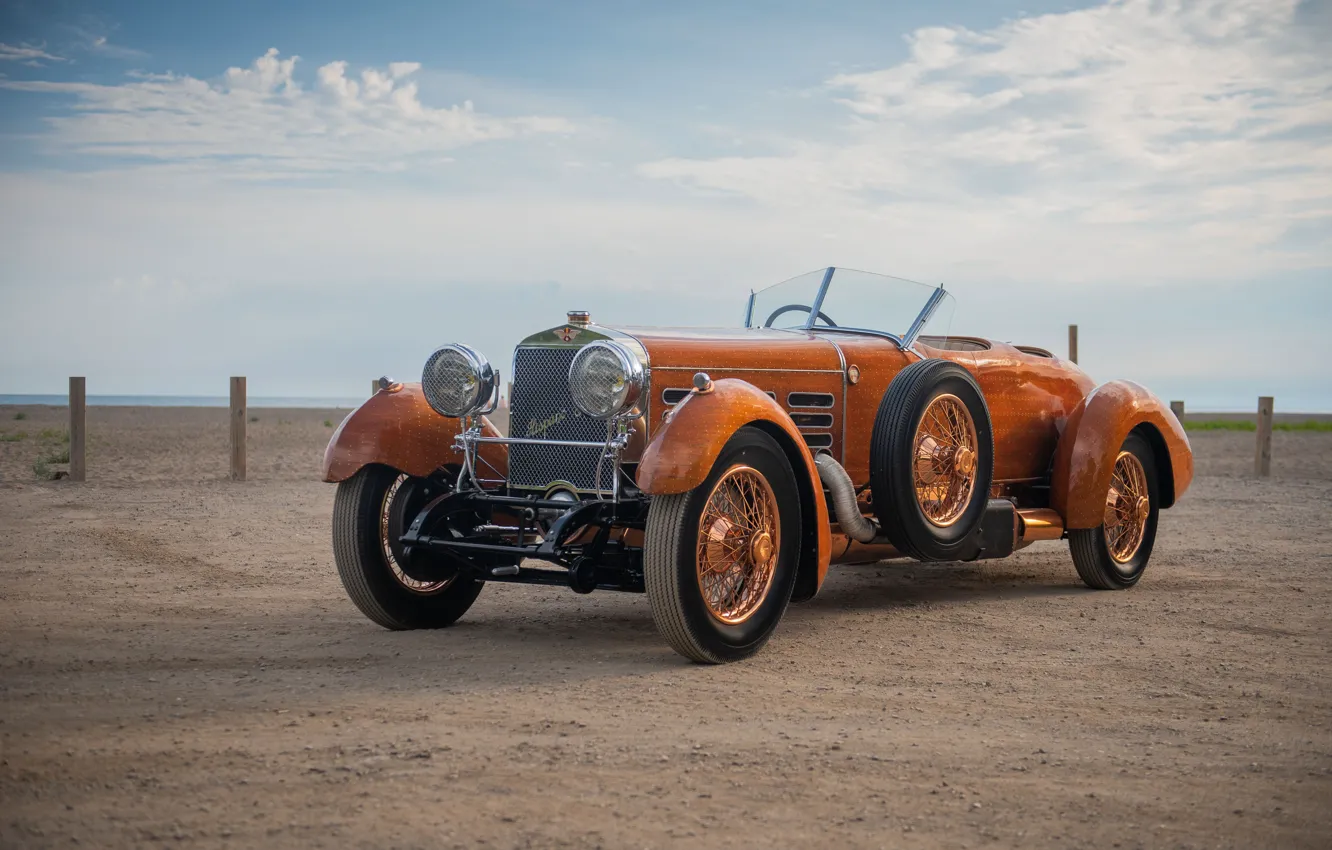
[{"x": 540, "y": 406}]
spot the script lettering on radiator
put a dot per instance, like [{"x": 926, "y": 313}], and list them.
[{"x": 535, "y": 428}]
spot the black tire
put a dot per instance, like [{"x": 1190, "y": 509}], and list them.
[
  {"x": 1091, "y": 553},
  {"x": 366, "y": 572},
  {"x": 892, "y": 450},
  {"x": 670, "y": 558}
]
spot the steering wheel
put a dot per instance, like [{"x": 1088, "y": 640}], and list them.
[{"x": 791, "y": 308}]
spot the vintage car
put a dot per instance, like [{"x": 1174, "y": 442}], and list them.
[{"x": 721, "y": 471}]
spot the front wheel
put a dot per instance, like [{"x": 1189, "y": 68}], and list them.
[
  {"x": 719, "y": 561},
  {"x": 1114, "y": 555},
  {"x": 370, "y": 512}
]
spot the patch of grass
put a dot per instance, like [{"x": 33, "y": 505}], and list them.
[
  {"x": 1246, "y": 425},
  {"x": 20, "y": 416},
  {"x": 1221, "y": 425},
  {"x": 1306, "y": 425},
  {"x": 328, "y": 423},
  {"x": 14, "y": 437},
  {"x": 53, "y": 455},
  {"x": 56, "y": 435},
  {"x": 254, "y": 418}
]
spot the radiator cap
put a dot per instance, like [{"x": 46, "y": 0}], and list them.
[{"x": 580, "y": 317}]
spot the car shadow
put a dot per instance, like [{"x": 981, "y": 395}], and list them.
[{"x": 888, "y": 586}]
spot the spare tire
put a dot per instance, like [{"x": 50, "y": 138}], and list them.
[{"x": 932, "y": 461}]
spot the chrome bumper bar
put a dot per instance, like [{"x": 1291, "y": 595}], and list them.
[{"x": 471, "y": 438}]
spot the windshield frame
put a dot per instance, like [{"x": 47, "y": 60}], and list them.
[{"x": 903, "y": 341}]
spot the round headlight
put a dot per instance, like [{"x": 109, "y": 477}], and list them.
[
  {"x": 457, "y": 380},
  {"x": 605, "y": 379}
]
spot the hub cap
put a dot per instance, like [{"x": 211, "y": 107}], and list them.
[
  {"x": 738, "y": 543},
  {"x": 1127, "y": 508},
  {"x": 945, "y": 460}
]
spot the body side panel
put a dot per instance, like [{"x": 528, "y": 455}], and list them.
[
  {"x": 878, "y": 361},
  {"x": 1096, "y": 430},
  {"x": 1030, "y": 398},
  {"x": 687, "y": 444},
  {"x": 399, "y": 429},
  {"x": 775, "y": 361}
]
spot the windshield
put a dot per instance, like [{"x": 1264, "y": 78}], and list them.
[{"x": 846, "y": 299}]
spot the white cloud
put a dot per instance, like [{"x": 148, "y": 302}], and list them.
[
  {"x": 27, "y": 54},
  {"x": 261, "y": 121},
  {"x": 1189, "y": 132}
]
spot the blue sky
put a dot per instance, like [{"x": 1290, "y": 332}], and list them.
[{"x": 310, "y": 193}]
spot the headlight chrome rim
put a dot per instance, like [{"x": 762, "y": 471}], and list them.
[
  {"x": 457, "y": 380},
  {"x": 591, "y": 395}
]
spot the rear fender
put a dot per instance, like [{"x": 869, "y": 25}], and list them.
[
  {"x": 399, "y": 429},
  {"x": 687, "y": 444},
  {"x": 1097, "y": 427}
]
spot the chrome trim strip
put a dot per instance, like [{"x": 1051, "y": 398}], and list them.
[
  {"x": 537, "y": 441},
  {"x": 825, "y": 422},
  {"x": 866, "y": 331},
  {"x": 792, "y": 404},
  {"x": 842, "y": 358},
  {"x": 711, "y": 369}
]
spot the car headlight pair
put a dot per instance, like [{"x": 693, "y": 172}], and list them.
[{"x": 605, "y": 379}]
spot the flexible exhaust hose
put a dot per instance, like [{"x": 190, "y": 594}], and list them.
[{"x": 844, "y": 505}]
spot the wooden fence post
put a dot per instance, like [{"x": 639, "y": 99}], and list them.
[
  {"x": 238, "y": 421},
  {"x": 78, "y": 429},
  {"x": 1263, "y": 456},
  {"x": 1073, "y": 343},
  {"x": 1177, "y": 408}
]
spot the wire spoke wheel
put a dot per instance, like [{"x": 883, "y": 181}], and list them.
[
  {"x": 392, "y": 517},
  {"x": 1127, "y": 508},
  {"x": 944, "y": 460},
  {"x": 739, "y": 538}
]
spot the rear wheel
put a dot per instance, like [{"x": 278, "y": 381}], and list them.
[
  {"x": 370, "y": 512},
  {"x": 1114, "y": 555},
  {"x": 719, "y": 561}
]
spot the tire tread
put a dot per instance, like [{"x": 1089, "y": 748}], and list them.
[
  {"x": 663, "y": 538},
  {"x": 356, "y": 551}
]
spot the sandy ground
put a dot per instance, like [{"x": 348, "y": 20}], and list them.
[{"x": 179, "y": 666}]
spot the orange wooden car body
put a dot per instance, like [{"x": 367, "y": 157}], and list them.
[{"x": 1056, "y": 434}]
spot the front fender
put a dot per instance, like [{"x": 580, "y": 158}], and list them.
[
  {"x": 687, "y": 444},
  {"x": 401, "y": 430},
  {"x": 1097, "y": 427}
]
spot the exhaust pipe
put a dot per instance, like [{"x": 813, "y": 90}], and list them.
[{"x": 834, "y": 477}]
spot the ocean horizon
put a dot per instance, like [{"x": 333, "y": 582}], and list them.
[
  {"x": 61, "y": 400},
  {"x": 1223, "y": 404}
]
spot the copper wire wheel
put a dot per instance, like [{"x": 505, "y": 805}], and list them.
[
  {"x": 739, "y": 538},
  {"x": 425, "y": 588},
  {"x": 1127, "y": 508},
  {"x": 944, "y": 471}
]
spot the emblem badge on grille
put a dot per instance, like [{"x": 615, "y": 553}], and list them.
[{"x": 568, "y": 334}]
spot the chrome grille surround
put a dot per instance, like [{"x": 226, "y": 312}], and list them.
[{"x": 541, "y": 407}]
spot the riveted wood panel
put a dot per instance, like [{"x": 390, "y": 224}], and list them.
[
  {"x": 1096, "y": 429},
  {"x": 399, "y": 429}
]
